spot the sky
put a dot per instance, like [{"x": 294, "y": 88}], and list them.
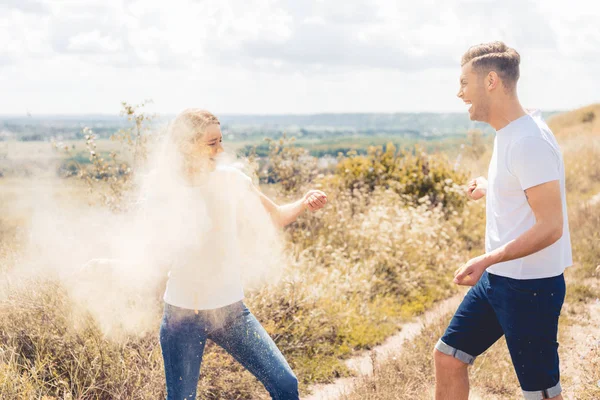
[{"x": 285, "y": 56}]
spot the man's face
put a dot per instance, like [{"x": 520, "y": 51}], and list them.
[{"x": 472, "y": 92}]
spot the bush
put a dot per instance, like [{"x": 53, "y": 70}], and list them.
[
  {"x": 288, "y": 166},
  {"x": 106, "y": 171},
  {"x": 415, "y": 175},
  {"x": 588, "y": 117},
  {"x": 382, "y": 251},
  {"x": 45, "y": 354}
]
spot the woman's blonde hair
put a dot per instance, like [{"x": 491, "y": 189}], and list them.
[{"x": 190, "y": 124}]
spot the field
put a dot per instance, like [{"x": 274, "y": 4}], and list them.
[
  {"x": 382, "y": 252},
  {"x": 410, "y": 373}
]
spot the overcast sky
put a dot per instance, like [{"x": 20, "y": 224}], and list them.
[{"x": 285, "y": 56}]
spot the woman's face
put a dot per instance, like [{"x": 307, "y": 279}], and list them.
[
  {"x": 213, "y": 139},
  {"x": 209, "y": 144}
]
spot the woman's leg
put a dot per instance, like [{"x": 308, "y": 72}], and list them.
[
  {"x": 182, "y": 340},
  {"x": 246, "y": 340}
]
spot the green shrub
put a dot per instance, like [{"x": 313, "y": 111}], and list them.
[
  {"x": 416, "y": 175},
  {"x": 382, "y": 251}
]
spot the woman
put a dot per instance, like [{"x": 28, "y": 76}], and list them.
[{"x": 203, "y": 298}]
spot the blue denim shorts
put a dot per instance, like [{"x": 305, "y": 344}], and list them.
[{"x": 526, "y": 312}]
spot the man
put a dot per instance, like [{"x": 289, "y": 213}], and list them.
[{"x": 518, "y": 284}]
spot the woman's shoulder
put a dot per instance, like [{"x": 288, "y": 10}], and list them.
[{"x": 234, "y": 171}]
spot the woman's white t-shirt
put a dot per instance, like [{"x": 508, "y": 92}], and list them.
[
  {"x": 526, "y": 154},
  {"x": 205, "y": 265}
]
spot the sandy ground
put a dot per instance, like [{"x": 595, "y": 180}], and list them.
[{"x": 362, "y": 364}]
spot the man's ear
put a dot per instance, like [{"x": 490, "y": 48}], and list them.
[{"x": 492, "y": 80}]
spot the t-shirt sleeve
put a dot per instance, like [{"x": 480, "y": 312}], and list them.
[
  {"x": 240, "y": 175},
  {"x": 533, "y": 161}
]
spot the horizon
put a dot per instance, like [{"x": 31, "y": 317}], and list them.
[{"x": 160, "y": 115}]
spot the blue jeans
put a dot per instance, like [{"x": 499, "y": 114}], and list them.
[
  {"x": 183, "y": 335},
  {"x": 526, "y": 312}
]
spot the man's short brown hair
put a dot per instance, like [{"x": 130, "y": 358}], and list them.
[{"x": 495, "y": 56}]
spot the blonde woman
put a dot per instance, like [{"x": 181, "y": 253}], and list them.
[{"x": 204, "y": 293}]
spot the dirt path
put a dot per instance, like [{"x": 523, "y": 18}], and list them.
[
  {"x": 580, "y": 336},
  {"x": 362, "y": 364},
  {"x": 582, "y": 333}
]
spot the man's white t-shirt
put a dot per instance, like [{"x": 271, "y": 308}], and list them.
[
  {"x": 206, "y": 266},
  {"x": 526, "y": 154}
]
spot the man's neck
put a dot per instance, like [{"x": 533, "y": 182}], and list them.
[{"x": 506, "y": 111}]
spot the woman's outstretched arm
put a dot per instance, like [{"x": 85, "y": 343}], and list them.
[{"x": 284, "y": 215}]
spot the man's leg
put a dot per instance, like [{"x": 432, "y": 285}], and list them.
[
  {"x": 451, "y": 377},
  {"x": 472, "y": 330},
  {"x": 529, "y": 311}
]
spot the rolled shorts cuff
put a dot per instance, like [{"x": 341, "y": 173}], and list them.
[
  {"x": 543, "y": 394},
  {"x": 456, "y": 353}
]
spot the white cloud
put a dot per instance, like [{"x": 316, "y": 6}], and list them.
[
  {"x": 284, "y": 55},
  {"x": 94, "y": 42},
  {"x": 27, "y": 6}
]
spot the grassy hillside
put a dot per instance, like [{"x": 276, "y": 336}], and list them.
[
  {"x": 582, "y": 121},
  {"x": 380, "y": 253},
  {"x": 411, "y": 374},
  {"x": 578, "y": 131}
]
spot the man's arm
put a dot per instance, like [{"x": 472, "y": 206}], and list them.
[
  {"x": 284, "y": 215},
  {"x": 546, "y": 203}
]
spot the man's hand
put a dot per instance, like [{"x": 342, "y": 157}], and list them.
[
  {"x": 469, "y": 274},
  {"x": 314, "y": 200},
  {"x": 477, "y": 188}
]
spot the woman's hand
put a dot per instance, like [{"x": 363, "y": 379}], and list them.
[
  {"x": 314, "y": 200},
  {"x": 284, "y": 215}
]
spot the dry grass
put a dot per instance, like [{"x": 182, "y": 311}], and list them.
[
  {"x": 371, "y": 260},
  {"x": 492, "y": 377},
  {"x": 374, "y": 258},
  {"x": 409, "y": 375},
  {"x": 590, "y": 389},
  {"x": 494, "y": 373},
  {"x": 583, "y": 121}
]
